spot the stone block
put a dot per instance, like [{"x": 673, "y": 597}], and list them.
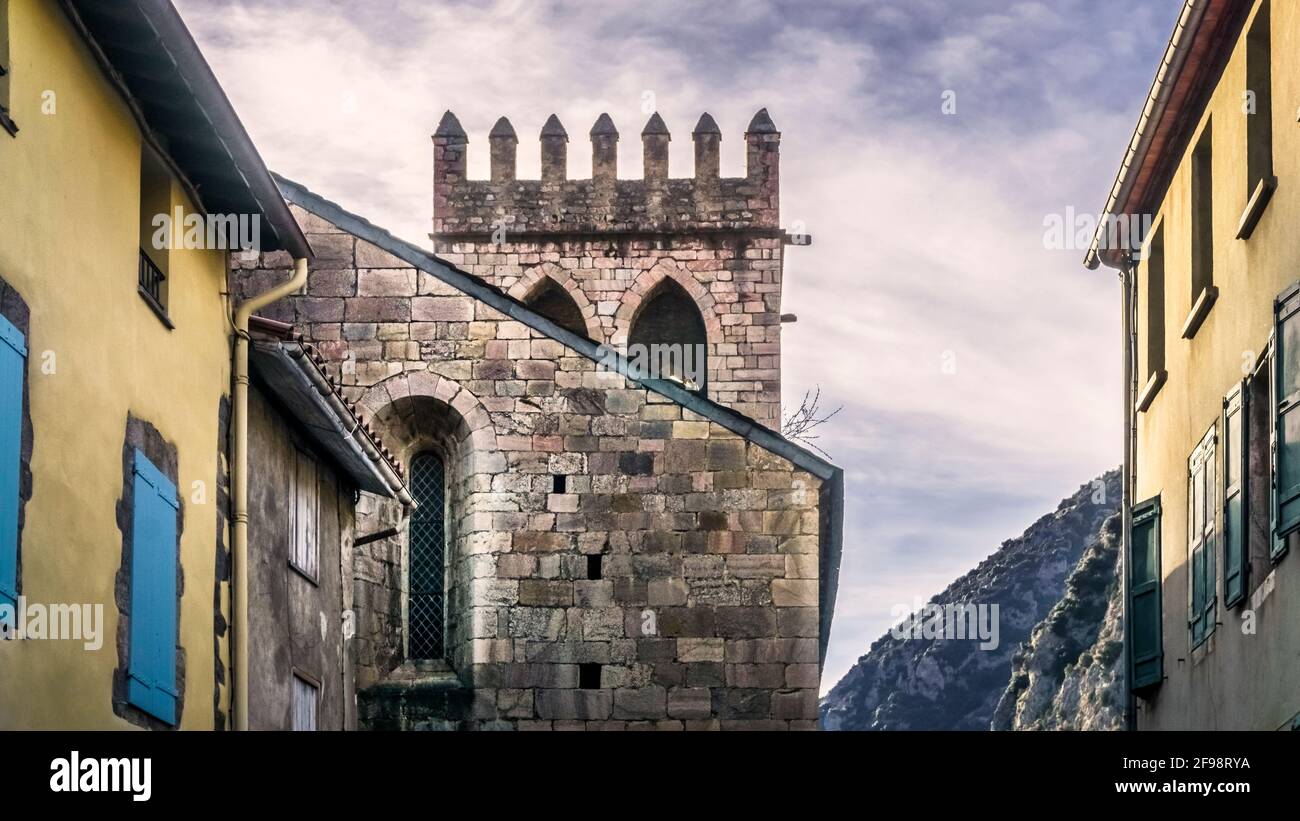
[{"x": 640, "y": 703}]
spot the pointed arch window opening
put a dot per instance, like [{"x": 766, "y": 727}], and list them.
[
  {"x": 552, "y": 301},
  {"x": 669, "y": 339}
]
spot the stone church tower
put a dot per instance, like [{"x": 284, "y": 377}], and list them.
[
  {"x": 694, "y": 260},
  {"x": 592, "y": 547}
]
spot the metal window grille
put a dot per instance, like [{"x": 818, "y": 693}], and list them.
[
  {"x": 426, "y": 613},
  {"x": 151, "y": 278}
]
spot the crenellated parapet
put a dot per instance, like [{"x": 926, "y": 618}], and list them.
[{"x": 604, "y": 204}]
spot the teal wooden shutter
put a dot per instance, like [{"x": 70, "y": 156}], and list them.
[
  {"x": 1236, "y": 469},
  {"x": 1146, "y": 642},
  {"x": 152, "y": 671},
  {"x": 1286, "y": 417},
  {"x": 13, "y": 368}
]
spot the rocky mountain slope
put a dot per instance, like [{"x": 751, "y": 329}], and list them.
[
  {"x": 1066, "y": 676},
  {"x": 918, "y": 683}
]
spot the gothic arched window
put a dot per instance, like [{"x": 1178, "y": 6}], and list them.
[
  {"x": 668, "y": 335},
  {"x": 553, "y": 302},
  {"x": 426, "y": 613}
]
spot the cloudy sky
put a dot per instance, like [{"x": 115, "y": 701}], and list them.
[{"x": 978, "y": 369}]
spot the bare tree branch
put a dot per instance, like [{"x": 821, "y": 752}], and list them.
[{"x": 799, "y": 426}]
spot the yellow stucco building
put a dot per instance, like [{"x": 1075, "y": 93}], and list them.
[
  {"x": 1212, "y": 451},
  {"x": 117, "y": 365}
]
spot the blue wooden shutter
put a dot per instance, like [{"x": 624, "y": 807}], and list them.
[
  {"x": 1236, "y": 470},
  {"x": 1146, "y": 642},
  {"x": 1286, "y": 417},
  {"x": 13, "y": 367},
  {"x": 152, "y": 671}
]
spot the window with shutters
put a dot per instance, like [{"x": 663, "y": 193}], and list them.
[
  {"x": 1146, "y": 641},
  {"x": 1258, "y": 508},
  {"x": 305, "y": 555},
  {"x": 1236, "y": 499},
  {"x": 1258, "y": 107},
  {"x": 153, "y": 606},
  {"x": 1201, "y": 523},
  {"x": 1286, "y": 418},
  {"x": 6, "y": 122},
  {"x": 426, "y": 604},
  {"x": 306, "y": 698},
  {"x": 13, "y": 378}
]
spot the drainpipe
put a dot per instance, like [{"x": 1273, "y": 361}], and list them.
[
  {"x": 1129, "y": 288},
  {"x": 239, "y": 485}
]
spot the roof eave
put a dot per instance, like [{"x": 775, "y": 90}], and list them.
[
  {"x": 206, "y": 92},
  {"x": 1197, "y": 51}
]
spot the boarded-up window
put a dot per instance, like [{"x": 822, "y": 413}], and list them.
[
  {"x": 306, "y": 516},
  {"x": 306, "y": 695}
]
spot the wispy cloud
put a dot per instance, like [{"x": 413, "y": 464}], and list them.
[{"x": 978, "y": 369}]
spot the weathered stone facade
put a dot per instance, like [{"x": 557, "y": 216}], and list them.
[
  {"x": 609, "y": 242},
  {"x": 621, "y": 554}
]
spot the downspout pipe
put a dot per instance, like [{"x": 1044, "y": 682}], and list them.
[
  {"x": 1129, "y": 287},
  {"x": 239, "y": 484}
]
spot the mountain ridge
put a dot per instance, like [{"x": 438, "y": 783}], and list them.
[{"x": 918, "y": 683}]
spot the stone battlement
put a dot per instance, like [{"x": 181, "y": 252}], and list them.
[{"x": 604, "y": 204}]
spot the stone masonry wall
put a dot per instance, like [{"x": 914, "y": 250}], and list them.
[
  {"x": 609, "y": 242},
  {"x": 704, "y": 614}
]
